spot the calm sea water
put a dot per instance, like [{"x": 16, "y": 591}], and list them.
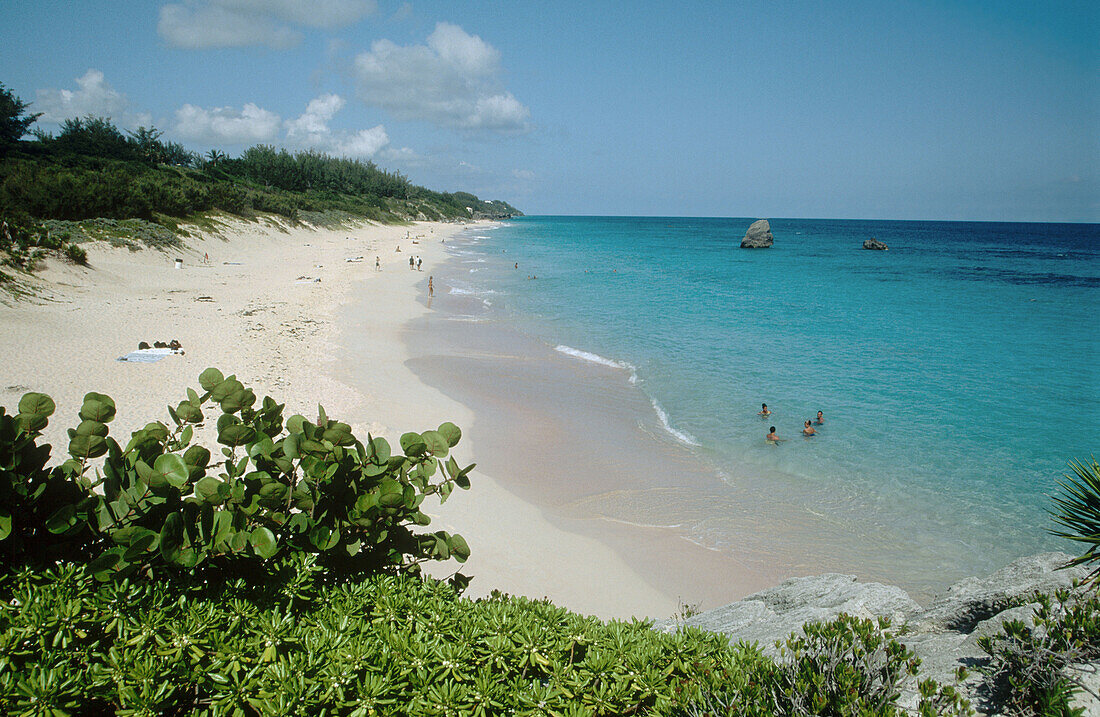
[{"x": 957, "y": 371}]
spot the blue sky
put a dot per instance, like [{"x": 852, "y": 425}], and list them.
[{"x": 906, "y": 110}]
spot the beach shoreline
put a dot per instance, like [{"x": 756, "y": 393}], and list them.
[{"x": 303, "y": 315}]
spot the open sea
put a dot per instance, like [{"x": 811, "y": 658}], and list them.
[{"x": 957, "y": 371}]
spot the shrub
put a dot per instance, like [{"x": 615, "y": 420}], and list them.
[
  {"x": 848, "y": 666},
  {"x": 1026, "y": 673},
  {"x": 382, "y": 645},
  {"x": 76, "y": 254},
  {"x": 161, "y": 505}
]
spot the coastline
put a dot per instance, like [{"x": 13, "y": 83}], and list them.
[{"x": 338, "y": 342}]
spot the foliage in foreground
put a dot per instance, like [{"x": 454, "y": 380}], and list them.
[
  {"x": 1077, "y": 510},
  {"x": 163, "y": 504},
  {"x": 1027, "y": 674},
  {"x": 849, "y": 666},
  {"x": 398, "y": 645}
]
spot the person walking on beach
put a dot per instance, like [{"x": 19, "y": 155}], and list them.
[
  {"x": 377, "y": 264},
  {"x": 771, "y": 437},
  {"x": 808, "y": 430},
  {"x": 764, "y": 410},
  {"x": 419, "y": 261},
  {"x": 820, "y": 418},
  {"x": 412, "y": 263},
  {"x": 431, "y": 289}
]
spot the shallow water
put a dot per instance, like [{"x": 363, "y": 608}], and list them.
[{"x": 956, "y": 372}]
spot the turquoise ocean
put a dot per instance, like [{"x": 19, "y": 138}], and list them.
[{"x": 957, "y": 371}]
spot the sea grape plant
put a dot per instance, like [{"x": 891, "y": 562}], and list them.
[{"x": 279, "y": 487}]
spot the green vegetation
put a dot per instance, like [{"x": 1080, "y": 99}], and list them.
[
  {"x": 161, "y": 506},
  {"x": 1077, "y": 510},
  {"x": 1026, "y": 673},
  {"x": 91, "y": 169},
  {"x": 283, "y": 576},
  {"x": 844, "y": 667}
]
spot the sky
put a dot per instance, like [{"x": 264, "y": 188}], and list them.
[{"x": 959, "y": 110}]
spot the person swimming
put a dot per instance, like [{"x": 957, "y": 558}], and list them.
[
  {"x": 771, "y": 437},
  {"x": 764, "y": 410},
  {"x": 808, "y": 430},
  {"x": 820, "y": 418}
]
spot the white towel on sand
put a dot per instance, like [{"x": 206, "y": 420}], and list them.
[{"x": 147, "y": 355}]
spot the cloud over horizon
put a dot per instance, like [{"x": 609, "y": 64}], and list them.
[
  {"x": 451, "y": 81},
  {"x": 311, "y": 130},
  {"x": 205, "y": 24},
  {"x": 94, "y": 96},
  {"x": 225, "y": 124}
]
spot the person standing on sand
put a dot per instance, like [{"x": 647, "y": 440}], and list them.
[
  {"x": 412, "y": 263},
  {"x": 764, "y": 410},
  {"x": 431, "y": 289},
  {"x": 419, "y": 261},
  {"x": 377, "y": 264},
  {"x": 808, "y": 430}
]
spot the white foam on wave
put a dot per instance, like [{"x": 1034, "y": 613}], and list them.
[
  {"x": 459, "y": 291},
  {"x": 602, "y": 361},
  {"x": 591, "y": 357},
  {"x": 682, "y": 436},
  {"x": 474, "y": 270},
  {"x": 473, "y": 261}
]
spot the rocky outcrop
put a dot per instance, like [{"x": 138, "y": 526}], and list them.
[
  {"x": 873, "y": 243},
  {"x": 759, "y": 235},
  {"x": 773, "y": 614},
  {"x": 945, "y": 635}
]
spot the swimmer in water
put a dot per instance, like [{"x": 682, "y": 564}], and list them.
[
  {"x": 820, "y": 418},
  {"x": 764, "y": 410},
  {"x": 771, "y": 437},
  {"x": 808, "y": 430}
]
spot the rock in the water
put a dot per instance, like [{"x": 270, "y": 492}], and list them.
[
  {"x": 759, "y": 235},
  {"x": 873, "y": 243}
]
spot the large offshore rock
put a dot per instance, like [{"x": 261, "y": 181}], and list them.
[
  {"x": 875, "y": 244},
  {"x": 759, "y": 235}
]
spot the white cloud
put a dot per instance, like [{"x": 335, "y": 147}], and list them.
[
  {"x": 364, "y": 143},
  {"x": 226, "y": 124},
  {"x": 200, "y": 24},
  {"x": 452, "y": 81},
  {"x": 94, "y": 96},
  {"x": 310, "y": 129},
  {"x": 312, "y": 126}
]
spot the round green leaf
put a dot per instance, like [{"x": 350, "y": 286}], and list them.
[
  {"x": 459, "y": 549},
  {"x": 87, "y": 446},
  {"x": 171, "y": 468},
  {"x": 97, "y": 407},
  {"x": 263, "y": 542},
  {"x": 32, "y": 422},
  {"x": 436, "y": 443},
  {"x": 210, "y": 378},
  {"x": 451, "y": 432},
  {"x": 92, "y": 428},
  {"x": 236, "y": 434},
  {"x": 410, "y": 440},
  {"x": 38, "y": 404}
]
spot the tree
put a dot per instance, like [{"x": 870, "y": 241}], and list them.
[{"x": 14, "y": 119}]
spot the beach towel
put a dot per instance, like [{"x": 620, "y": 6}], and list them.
[{"x": 147, "y": 355}]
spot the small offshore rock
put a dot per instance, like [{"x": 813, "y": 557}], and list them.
[
  {"x": 873, "y": 243},
  {"x": 759, "y": 235}
]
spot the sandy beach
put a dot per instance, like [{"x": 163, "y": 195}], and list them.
[{"x": 301, "y": 314}]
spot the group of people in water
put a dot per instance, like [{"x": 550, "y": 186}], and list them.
[{"x": 807, "y": 428}]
